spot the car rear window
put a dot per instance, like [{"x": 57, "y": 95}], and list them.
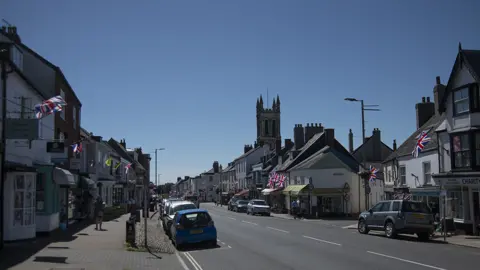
[
  {"x": 183, "y": 207},
  {"x": 242, "y": 202},
  {"x": 259, "y": 202},
  {"x": 195, "y": 220},
  {"x": 415, "y": 207}
]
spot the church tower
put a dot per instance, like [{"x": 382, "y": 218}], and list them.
[{"x": 268, "y": 123}]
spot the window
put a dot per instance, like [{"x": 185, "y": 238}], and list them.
[
  {"x": 385, "y": 207},
  {"x": 61, "y": 137},
  {"x": 461, "y": 151},
  {"x": 24, "y": 207},
  {"x": 427, "y": 173},
  {"x": 396, "y": 206},
  {"x": 377, "y": 207},
  {"x": 74, "y": 117},
  {"x": 17, "y": 57},
  {"x": 210, "y": 179},
  {"x": 274, "y": 127},
  {"x": 402, "y": 175},
  {"x": 266, "y": 128},
  {"x": 62, "y": 113},
  {"x": 461, "y": 102},
  {"x": 40, "y": 194}
]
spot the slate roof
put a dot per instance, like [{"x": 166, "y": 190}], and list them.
[
  {"x": 117, "y": 147},
  {"x": 408, "y": 145},
  {"x": 228, "y": 168},
  {"x": 348, "y": 160},
  {"x": 285, "y": 165}
]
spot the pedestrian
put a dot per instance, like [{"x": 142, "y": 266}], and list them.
[
  {"x": 294, "y": 208},
  {"x": 98, "y": 212}
]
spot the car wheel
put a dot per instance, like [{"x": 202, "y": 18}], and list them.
[
  {"x": 423, "y": 236},
  {"x": 390, "y": 230},
  {"x": 362, "y": 227}
]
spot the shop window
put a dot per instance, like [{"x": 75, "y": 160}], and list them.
[
  {"x": 24, "y": 208},
  {"x": 40, "y": 192},
  {"x": 477, "y": 149},
  {"x": 455, "y": 204}
]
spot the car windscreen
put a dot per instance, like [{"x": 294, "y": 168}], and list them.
[
  {"x": 191, "y": 198},
  {"x": 182, "y": 207},
  {"x": 195, "y": 220},
  {"x": 415, "y": 207},
  {"x": 243, "y": 202},
  {"x": 259, "y": 202}
]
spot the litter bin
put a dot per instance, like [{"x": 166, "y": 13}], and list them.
[
  {"x": 130, "y": 232},
  {"x": 137, "y": 215},
  {"x": 152, "y": 207}
]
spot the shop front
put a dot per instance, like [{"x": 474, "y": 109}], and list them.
[
  {"x": 329, "y": 202},
  {"x": 65, "y": 181},
  {"x": 46, "y": 207},
  {"x": 429, "y": 195},
  {"x": 300, "y": 193},
  {"x": 462, "y": 194},
  {"x": 19, "y": 203},
  {"x": 274, "y": 198}
]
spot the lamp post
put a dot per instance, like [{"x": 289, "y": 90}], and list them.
[
  {"x": 156, "y": 175},
  {"x": 364, "y": 108}
]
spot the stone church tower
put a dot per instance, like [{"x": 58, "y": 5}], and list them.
[{"x": 268, "y": 124}]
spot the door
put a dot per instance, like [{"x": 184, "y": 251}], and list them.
[
  {"x": 381, "y": 215},
  {"x": 476, "y": 209},
  {"x": 370, "y": 220}
]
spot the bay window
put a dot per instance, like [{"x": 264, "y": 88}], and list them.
[
  {"x": 461, "y": 151},
  {"x": 466, "y": 99}
]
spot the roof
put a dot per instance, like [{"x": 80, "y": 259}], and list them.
[
  {"x": 110, "y": 147},
  {"x": 188, "y": 211},
  {"x": 409, "y": 144},
  {"x": 248, "y": 153},
  {"x": 471, "y": 60},
  {"x": 365, "y": 143},
  {"x": 229, "y": 168},
  {"x": 119, "y": 149},
  {"x": 302, "y": 150},
  {"x": 348, "y": 160}
]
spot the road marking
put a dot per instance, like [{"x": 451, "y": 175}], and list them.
[
  {"x": 182, "y": 262},
  {"x": 193, "y": 261},
  {"x": 275, "y": 229},
  {"x": 232, "y": 218},
  {"x": 248, "y": 222},
  {"x": 408, "y": 261},
  {"x": 323, "y": 241}
]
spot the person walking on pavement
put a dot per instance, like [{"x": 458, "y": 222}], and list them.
[
  {"x": 99, "y": 207},
  {"x": 294, "y": 208}
]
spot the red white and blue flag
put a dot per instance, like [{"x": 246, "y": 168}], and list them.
[
  {"x": 276, "y": 180},
  {"x": 373, "y": 174},
  {"x": 127, "y": 167},
  {"x": 77, "y": 148},
  {"x": 281, "y": 180},
  {"x": 49, "y": 106},
  {"x": 422, "y": 140}
]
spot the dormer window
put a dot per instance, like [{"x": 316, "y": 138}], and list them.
[{"x": 466, "y": 99}]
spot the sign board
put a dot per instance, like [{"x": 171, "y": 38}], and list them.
[
  {"x": 55, "y": 147},
  {"x": 465, "y": 181},
  {"x": 26, "y": 129}
]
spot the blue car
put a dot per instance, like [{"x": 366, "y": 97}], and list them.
[{"x": 193, "y": 226}]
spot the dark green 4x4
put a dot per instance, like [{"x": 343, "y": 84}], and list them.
[{"x": 398, "y": 217}]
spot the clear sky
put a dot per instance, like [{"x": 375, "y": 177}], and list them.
[{"x": 185, "y": 75}]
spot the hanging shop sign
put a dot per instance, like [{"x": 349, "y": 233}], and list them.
[{"x": 21, "y": 129}]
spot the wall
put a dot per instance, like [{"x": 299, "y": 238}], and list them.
[
  {"x": 103, "y": 153},
  {"x": 19, "y": 150},
  {"x": 42, "y": 75},
  {"x": 414, "y": 166}
]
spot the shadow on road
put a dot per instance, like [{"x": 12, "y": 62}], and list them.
[
  {"x": 197, "y": 247},
  {"x": 409, "y": 238}
]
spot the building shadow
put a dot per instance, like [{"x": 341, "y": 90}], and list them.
[{"x": 15, "y": 253}]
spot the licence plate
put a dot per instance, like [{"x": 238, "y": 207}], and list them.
[
  {"x": 196, "y": 231},
  {"x": 418, "y": 216}
]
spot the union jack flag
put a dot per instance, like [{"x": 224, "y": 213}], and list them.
[
  {"x": 129, "y": 165},
  {"x": 373, "y": 174},
  {"x": 281, "y": 180},
  {"x": 49, "y": 106},
  {"x": 77, "y": 148},
  {"x": 422, "y": 140},
  {"x": 272, "y": 179}
]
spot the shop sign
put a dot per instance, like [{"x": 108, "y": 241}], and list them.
[
  {"x": 21, "y": 129},
  {"x": 474, "y": 181}
]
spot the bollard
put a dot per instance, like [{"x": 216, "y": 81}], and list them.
[{"x": 130, "y": 232}]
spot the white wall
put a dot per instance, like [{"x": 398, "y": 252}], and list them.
[
  {"x": 19, "y": 150},
  {"x": 415, "y": 166}
]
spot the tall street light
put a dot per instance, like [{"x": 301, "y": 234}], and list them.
[
  {"x": 364, "y": 108},
  {"x": 156, "y": 174}
]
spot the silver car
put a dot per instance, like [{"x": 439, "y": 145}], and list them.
[{"x": 258, "y": 207}]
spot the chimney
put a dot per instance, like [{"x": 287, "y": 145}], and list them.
[
  {"x": 377, "y": 145},
  {"x": 215, "y": 167},
  {"x": 122, "y": 143},
  {"x": 329, "y": 137},
  {"x": 350, "y": 141},
  {"x": 245, "y": 148},
  {"x": 438, "y": 93},
  {"x": 11, "y": 32},
  {"x": 255, "y": 144},
  {"x": 394, "y": 145},
  {"x": 179, "y": 179},
  {"x": 424, "y": 111},
  {"x": 278, "y": 146},
  {"x": 298, "y": 136},
  {"x": 97, "y": 138},
  {"x": 288, "y": 144}
]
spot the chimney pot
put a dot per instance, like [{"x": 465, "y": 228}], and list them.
[
  {"x": 423, "y": 99},
  {"x": 438, "y": 80},
  {"x": 428, "y": 99}
]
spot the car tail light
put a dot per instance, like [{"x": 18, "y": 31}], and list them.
[
  {"x": 179, "y": 226},
  {"x": 211, "y": 223}
]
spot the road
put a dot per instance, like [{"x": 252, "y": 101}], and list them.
[{"x": 256, "y": 242}]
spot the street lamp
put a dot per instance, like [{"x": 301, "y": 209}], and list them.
[
  {"x": 156, "y": 175},
  {"x": 364, "y": 108}
]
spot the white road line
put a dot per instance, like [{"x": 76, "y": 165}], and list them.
[
  {"x": 248, "y": 222},
  {"x": 275, "y": 229},
  {"x": 323, "y": 241},
  {"x": 232, "y": 218},
  {"x": 182, "y": 262},
  {"x": 193, "y": 261},
  {"x": 408, "y": 261}
]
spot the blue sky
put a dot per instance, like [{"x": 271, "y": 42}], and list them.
[{"x": 185, "y": 75}]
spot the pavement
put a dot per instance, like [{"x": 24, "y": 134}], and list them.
[
  {"x": 83, "y": 247},
  {"x": 257, "y": 242}
]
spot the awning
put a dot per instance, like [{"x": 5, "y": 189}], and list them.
[
  {"x": 86, "y": 183},
  {"x": 327, "y": 191},
  {"x": 63, "y": 177},
  {"x": 294, "y": 189},
  {"x": 242, "y": 193}
]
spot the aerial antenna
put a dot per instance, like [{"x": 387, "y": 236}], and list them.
[{"x": 267, "y": 97}]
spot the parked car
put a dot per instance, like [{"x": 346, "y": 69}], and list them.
[
  {"x": 172, "y": 209},
  {"x": 240, "y": 206},
  {"x": 398, "y": 216},
  {"x": 193, "y": 226},
  {"x": 258, "y": 207},
  {"x": 192, "y": 198}
]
